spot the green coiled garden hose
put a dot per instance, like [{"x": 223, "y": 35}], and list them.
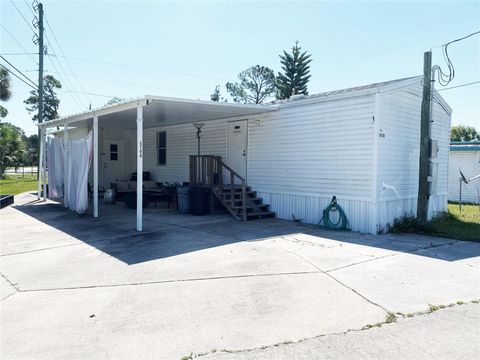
[{"x": 329, "y": 211}]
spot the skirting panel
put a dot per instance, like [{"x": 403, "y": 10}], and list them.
[{"x": 310, "y": 209}]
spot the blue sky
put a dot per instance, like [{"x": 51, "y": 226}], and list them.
[{"x": 184, "y": 49}]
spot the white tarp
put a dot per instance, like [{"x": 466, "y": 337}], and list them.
[
  {"x": 78, "y": 167},
  {"x": 55, "y": 167}
]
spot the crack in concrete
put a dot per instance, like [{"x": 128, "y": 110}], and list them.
[
  {"x": 341, "y": 333},
  {"x": 169, "y": 281},
  {"x": 341, "y": 283},
  {"x": 17, "y": 290}
]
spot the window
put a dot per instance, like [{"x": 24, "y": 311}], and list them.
[
  {"x": 161, "y": 148},
  {"x": 113, "y": 152}
]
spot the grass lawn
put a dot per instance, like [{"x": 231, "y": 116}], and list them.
[
  {"x": 463, "y": 225},
  {"x": 16, "y": 184}
]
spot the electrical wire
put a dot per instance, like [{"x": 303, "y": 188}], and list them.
[
  {"x": 443, "y": 78},
  {"x": 76, "y": 99},
  {"x": 23, "y": 16},
  {"x": 21, "y": 73},
  {"x": 18, "y": 77},
  {"x": 458, "y": 86},
  {"x": 144, "y": 68},
  {"x": 141, "y": 85},
  {"x": 18, "y": 43},
  {"x": 66, "y": 59}
]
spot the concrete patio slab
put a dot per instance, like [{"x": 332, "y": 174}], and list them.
[
  {"x": 155, "y": 257},
  {"x": 95, "y": 288},
  {"x": 6, "y": 289},
  {"x": 168, "y": 321},
  {"x": 451, "y": 333},
  {"x": 417, "y": 281}
]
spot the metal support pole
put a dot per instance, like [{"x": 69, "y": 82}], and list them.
[
  {"x": 95, "y": 166},
  {"x": 139, "y": 168},
  {"x": 44, "y": 170},
  {"x": 40, "y": 164},
  {"x": 66, "y": 159}
]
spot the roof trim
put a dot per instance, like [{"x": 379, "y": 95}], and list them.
[
  {"x": 144, "y": 101},
  {"x": 356, "y": 91}
]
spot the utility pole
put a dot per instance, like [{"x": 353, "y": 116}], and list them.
[
  {"x": 40, "y": 62},
  {"x": 422, "y": 201},
  {"x": 39, "y": 41}
]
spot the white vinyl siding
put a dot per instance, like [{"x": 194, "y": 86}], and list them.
[
  {"x": 398, "y": 155},
  {"x": 313, "y": 150},
  {"x": 302, "y": 155},
  {"x": 181, "y": 143}
]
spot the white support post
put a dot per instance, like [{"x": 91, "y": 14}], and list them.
[
  {"x": 44, "y": 170},
  {"x": 40, "y": 166},
  {"x": 139, "y": 167},
  {"x": 95, "y": 166},
  {"x": 65, "y": 165}
]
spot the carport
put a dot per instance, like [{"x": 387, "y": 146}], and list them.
[{"x": 140, "y": 114}]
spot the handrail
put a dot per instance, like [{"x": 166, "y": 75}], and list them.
[
  {"x": 230, "y": 169},
  {"x": 207, "y": 170}
]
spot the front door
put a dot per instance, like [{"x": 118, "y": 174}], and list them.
[
  {"x": 113, "y": 162},
  {"x": 237, "y": 146}
]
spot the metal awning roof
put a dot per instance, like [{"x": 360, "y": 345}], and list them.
[{"x": 160, "y": 111}]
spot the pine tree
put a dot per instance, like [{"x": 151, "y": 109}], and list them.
[
  {"x": 295, "y": 75},
  {"x": 50, "y": 99},
  {"x": 256, "y": 85}
]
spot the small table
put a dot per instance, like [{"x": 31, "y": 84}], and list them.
[{"x": 156, "y": 196}]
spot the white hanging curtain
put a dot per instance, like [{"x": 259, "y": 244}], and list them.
[
  {"x": 78, "y": 167},
  {"x": 55, "y": 167}
]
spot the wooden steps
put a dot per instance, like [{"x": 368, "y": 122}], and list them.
[{"x": 254, "y": 207}]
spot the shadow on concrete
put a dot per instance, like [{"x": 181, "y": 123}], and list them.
[{"x": 167, "y": 233}]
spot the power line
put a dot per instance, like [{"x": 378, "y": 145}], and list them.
[
  {"x": 21, "y": 14},
  {"x": 140, "y": 85},
  {"x": 462, "y": 38},
  {"x": 144, "y": 68},
  {"x": 458, "y": 86},
  {"x": 445, "y": 79},
  {"x": 18, "y": 77},
  {"x": 21, "y": 73},
  {"x": 78, "y": 101},
  {"x": 66, "y": 59},
  {"x": 89, "y": 93},
  {"x": 18, "y": 43}
]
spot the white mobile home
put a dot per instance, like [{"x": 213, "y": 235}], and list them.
[
  {"x": 359, "y": 144},
  {"x": 464, "y": 156}
]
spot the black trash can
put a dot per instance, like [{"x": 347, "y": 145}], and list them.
[{"x": 199, "y": 201}]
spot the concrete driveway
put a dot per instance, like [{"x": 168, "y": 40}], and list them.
[{"x": 81, "y": 288}]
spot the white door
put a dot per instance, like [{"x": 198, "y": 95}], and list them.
[
  {"x": 237, "y": 147},
  {"x": 114, "y": 162}
]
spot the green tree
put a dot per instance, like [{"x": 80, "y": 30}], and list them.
[
  {"x": 114, "y": 100},
  {"x": 257, "y": 84},
  {"x": 5, "y": 92},
  {"x": 32, "y": 150},
  {"x": 50, "y": 99},
  {"x": 12, "y": 146},
  {"x": 215, "y": 96},
  {"x": 464, "y": 133},
  {"x": 295, "y": 76}
]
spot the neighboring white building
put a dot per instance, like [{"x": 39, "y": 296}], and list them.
[
  {"x": 359, "y": 144},
  {"x": 464, "y": 156}
]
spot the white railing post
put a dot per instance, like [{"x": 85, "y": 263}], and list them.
[
  {"x": 139, "y": 167},
  {"x": 40, "y": 166},
  {"x": 95, "y": 166},
  {"x": 44, "y": 170},
  {"x": 65, "y": 165}
]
